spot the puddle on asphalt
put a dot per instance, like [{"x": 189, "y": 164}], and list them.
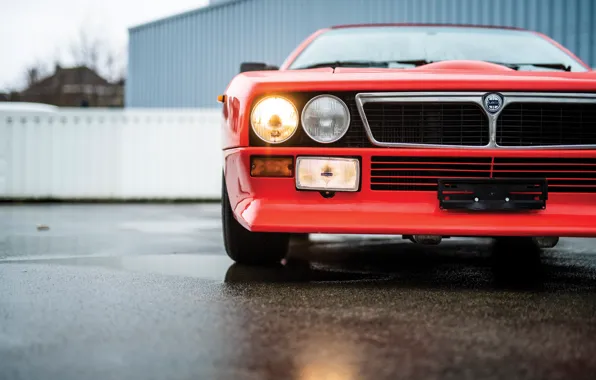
[
  {"x": 211, "y": 267},
  {"x": 172, "y": 227},
  {"x": 207, "y": 267},
  {"x": 351, "y": 260},
  {"x": 219, "y": 267}
]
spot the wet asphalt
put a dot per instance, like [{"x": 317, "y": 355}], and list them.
[{"x": 146, "y": 292}]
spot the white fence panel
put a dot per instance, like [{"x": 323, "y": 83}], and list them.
[{"x": 110, "y": 154}]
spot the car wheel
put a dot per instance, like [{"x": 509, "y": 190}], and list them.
[
  {"x": 246, "y": 247},
  {"x": 546, "y": 241}
]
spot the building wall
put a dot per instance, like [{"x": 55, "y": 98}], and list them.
[{"x": 188, "y": 59}]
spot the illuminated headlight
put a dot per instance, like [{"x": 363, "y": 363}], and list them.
[
  {"x": 325, "y": 119},
  {"x": 274, "y": 119},
  {"x": 327, "y": 173}
]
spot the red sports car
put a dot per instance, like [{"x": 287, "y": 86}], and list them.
[{"x": 424, "y": 131}]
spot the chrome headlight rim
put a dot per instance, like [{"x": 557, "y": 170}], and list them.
[
  {"x": 268, "y": 97},
  {"x": 345, "y": 106}
]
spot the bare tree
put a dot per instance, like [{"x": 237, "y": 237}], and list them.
[
  {"x": 34, "y": 73},
  {"x": 112, "y": 68},
  {"x": 114, "y": 64},
  {"x": 94, "y": 52},
  {"x": 87, "y": 50},
  {"x": 5, "y": 91}
]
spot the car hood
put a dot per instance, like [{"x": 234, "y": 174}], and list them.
[{"x": 443, "y": 76}]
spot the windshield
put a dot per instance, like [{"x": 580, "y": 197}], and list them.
[{"x": 431, "y": 44}]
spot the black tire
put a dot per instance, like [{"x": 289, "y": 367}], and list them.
[{"x": 246, "y": 247}]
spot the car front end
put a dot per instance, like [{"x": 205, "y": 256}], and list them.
[
  {"x": 455, "y": 148},
  {"x": 445, "y": 167}
]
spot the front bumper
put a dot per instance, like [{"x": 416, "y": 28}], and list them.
[{"x": 274, "y": 204}]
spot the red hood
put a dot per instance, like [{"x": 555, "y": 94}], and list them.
[{"x": 443, "y": 76}]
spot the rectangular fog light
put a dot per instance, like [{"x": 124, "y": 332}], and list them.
[{"x": 327, "y": 173}]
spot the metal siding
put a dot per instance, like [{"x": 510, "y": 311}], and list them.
[
  {"x": 187, "y": 60},
  {"x": 592, "y": 57},
  {"x": 110, "y": 154}
]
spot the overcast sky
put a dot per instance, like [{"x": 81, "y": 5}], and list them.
[{"x": 41, "y": 30}]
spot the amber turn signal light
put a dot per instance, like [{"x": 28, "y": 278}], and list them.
[{"x": 272, "y": 166}]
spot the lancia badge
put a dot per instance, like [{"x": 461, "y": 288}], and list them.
[{"x": 493, "y": 102}]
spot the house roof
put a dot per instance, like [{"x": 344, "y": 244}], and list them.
[{"x": 65, "y": 76}]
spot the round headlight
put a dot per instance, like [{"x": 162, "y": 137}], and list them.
[
  {"x": 274, "y": 119},
  {"x": 326, "y": 118}
]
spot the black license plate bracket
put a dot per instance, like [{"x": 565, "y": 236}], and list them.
[{"x": 492, "y": 194}]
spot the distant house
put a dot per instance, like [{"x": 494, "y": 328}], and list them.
[
  {"x": 12, "y": 96},
  {"x": 75, "y": 87}
]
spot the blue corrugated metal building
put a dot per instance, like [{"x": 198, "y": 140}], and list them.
[{"x": 188, "y": 59}]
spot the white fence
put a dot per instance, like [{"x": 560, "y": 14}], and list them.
[{"x": 110, "y": 154}]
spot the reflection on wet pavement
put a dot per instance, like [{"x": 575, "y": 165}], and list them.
[
  {"x": 147, "y": 292},
  {"x": 492, "y": 265},
  {"x": 460, "y": 263}
]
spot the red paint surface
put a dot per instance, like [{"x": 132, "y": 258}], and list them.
[{"x": 273, "y": 204}]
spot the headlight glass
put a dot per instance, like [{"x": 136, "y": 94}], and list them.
[
  {"x": 326, "y": 119},
  {"x": 274, "y": 119}
]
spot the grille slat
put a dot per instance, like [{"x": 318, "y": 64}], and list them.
[
  {"x": 456, "y": 124},
  {"x": 545, "y": 161},
  {"x": 564, "y": 175},
  {"x": 547, "y": 124},
  {"x": 422, "y": 173},
  {"x": 429, "y": 159},
  {"x": 429, "y": 166},
  {"x": 427, "y": 171}
]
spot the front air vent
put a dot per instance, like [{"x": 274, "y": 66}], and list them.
[
  {"x": 422, "y": 173},
  {"x": 564, "y": 175}
]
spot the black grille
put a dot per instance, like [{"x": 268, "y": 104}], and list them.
[
  {"x": 422, "y": 173},
  {"x": 547, "y": 124},
  {"x": 428, "y": 123},
  {"x": 564, "y": 175}
]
